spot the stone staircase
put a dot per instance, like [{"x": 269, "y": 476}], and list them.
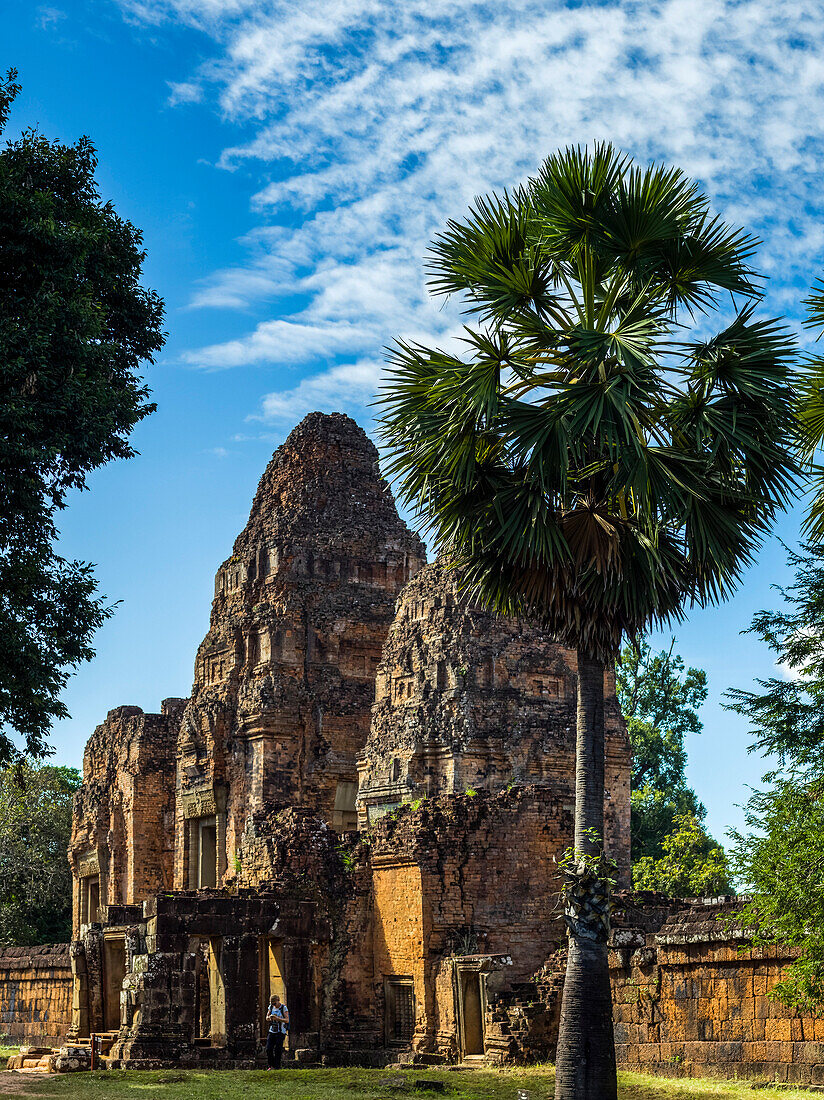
[
  {"x": 32, "y": 1060},
  {"x": 522, "y": 1021}
]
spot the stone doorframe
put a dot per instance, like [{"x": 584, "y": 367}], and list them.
[
  {"x": 477, "y": 968},
  {"x": 200, "y": 803},
  {"x": 114, "y": 958}
]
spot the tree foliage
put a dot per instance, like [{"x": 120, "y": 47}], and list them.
[
  {"x": 779, "y": 857},
  {"x": 671, "y": 850},
  {"x": 583, "y": 461},
  {"x": 660, "y": 700},
  {"x": 692, "y": 864},
  {"x": 811, "y": 415},
  {"x": 75, "y": 327},
  {"x": 35, "y": 829}
]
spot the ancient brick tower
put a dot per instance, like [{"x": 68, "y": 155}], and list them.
[
  {"x": 284, "y": 680},
  {"x": 465, "y": 699}
]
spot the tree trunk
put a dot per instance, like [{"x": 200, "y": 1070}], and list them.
[{"x": 585, "y": 1066}]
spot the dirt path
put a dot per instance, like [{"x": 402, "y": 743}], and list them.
[{"x": 14, "y": 1083}]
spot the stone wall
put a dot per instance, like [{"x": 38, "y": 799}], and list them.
[
  {"x": 437, "y": 890},
  {"x": 463, "y": 882},
  {"x": 35, "y": 994},
  {"x": 195, "y": 977},
  {"x": 121, "y": 844},
  {"x": 691, "y": 998}
]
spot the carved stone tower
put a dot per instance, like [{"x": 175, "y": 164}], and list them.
[
  {"x": 469, "y": 700},
  {"x": 284, "y": 680}
]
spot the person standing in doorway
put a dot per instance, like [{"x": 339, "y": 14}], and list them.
[{"x": 277, "y": 1016}]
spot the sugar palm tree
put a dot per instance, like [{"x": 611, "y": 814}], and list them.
[{"x": 586, "y": 462}]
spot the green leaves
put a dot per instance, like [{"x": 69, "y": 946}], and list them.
[
  {"x": 810, "y": 403},
  {"x": 35, "y": 829},
  {"x": 780, "y": 863},
  {"x": 659, "y": 698},
  {"x": 692, "y": 865},
  {"x": 491, "y": 259},
  {"x": 780, "y": 857},
  {"x": 578, "y": 460},
  {"x": 9, "y": 91},
  {"x": 76, "y": 327}
]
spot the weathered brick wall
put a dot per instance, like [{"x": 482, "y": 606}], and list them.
[
  {"x": 292, "y": 853},
  {"x": 35, "y": 994},
  {"x": 465, "y": 699},
  {"x": 123, "y": 813},
  {"x": 691, "y": 999},
  {"x": 457, "y": 875},
  {"x": 465, "y": 876},
  {"x": 172, "y": 958}
]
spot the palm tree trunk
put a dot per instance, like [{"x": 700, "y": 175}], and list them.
[{"x": 585, "y": 1066}]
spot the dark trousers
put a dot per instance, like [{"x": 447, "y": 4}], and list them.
[{"x": 274, "y": 1049}]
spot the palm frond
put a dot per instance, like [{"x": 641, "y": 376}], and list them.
[
  {"x": 814, "y": 306},
  {"x": 569, "y": 464}
]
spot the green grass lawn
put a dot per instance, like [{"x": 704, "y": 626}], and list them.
[{"x": 356, "y": 1084}]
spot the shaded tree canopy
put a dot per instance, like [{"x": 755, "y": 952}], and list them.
[
  {"x": 660, "y": 700},
  {"x": 692, "y": 864},
  {"x": 75, "y": 328},
  {"x": 35, "y": 829},
  {"x": 810, "y": 404},
  {"x": 579, "y": 457},
  {"x": 779, "y": 856}
]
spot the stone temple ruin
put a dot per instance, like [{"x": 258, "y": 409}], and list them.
[{"x": 361, "y": 807}]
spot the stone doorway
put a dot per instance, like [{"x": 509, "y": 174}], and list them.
[
  {"x": 271, "y": 977},
  {"x": 469, "y": 985},
  {"x": 89, "y": 899},
  {"x": 202, "y": 845},
  {"x": 210, "y": 994},
  {"x": 114, "y": 971},
  {"x": 399, "y": 1010},
  {"x": 472, "y": 1020}
]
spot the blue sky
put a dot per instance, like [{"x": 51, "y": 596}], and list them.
[{"x": 288, "y": 163}]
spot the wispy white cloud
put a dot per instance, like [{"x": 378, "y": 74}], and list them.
[
  {"x": 282, "y": 342},
  {"x": 48, "y": 17},
  {"x": 185, "y": 92},
  {"x": 346, "y": 386},
  {"x": 371, "y": 123}
]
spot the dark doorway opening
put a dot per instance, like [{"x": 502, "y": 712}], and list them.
[
  {"x": 472, "y": 1019},
  {"x": 210, "y": 995},
  {"x": 399, "y": 1002},
  {"x": 114, "y": 971}
]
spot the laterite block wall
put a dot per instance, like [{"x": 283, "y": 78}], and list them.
[
  {"x": 691, "y": 1000},
  {"x": 35, "y": 994}
]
